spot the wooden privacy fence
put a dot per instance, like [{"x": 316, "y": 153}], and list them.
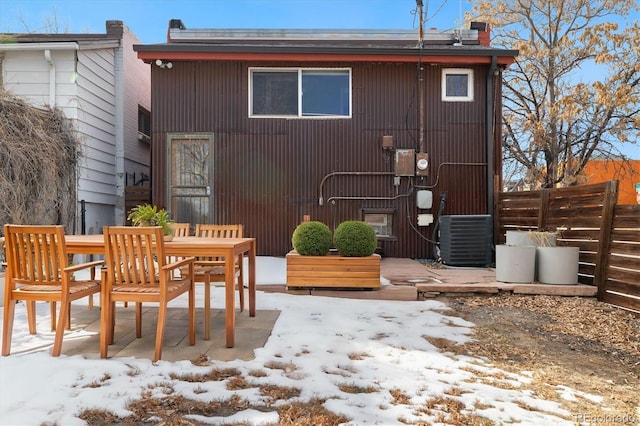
[
  {"x": 134, "y": 195},
  {"x": 587, "y": 217}
]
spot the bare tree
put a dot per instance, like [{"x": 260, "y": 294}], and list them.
[
  {"x": 50, "y": 25},
  {"x": 557, "y": 114}
]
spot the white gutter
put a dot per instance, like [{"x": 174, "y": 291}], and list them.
[
  {"x": 39, "y": 46},
  {"x": 61, "y": 45}
]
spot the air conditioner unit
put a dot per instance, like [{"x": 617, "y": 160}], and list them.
[{"x": 466, "y": 240}]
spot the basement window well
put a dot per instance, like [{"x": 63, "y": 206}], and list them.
[
  {"x": 457, "y": 85},
  {"x": 381, "y": 220},
  {"x": 300, "y": 92}
]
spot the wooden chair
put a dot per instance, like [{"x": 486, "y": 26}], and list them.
[
  {"x": 181, "y": 229},
  {"x": 37, "y": 271},
  {"x": 210, "y": 270},
  {"x": 137, "y": 271}
]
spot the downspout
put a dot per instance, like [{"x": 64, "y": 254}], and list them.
[
  {"x": 421, "y": 95},
  {"x": 118, "y": 54},
  {"x": 52, "y": 78},
  {"x": 490, "y": 111}
]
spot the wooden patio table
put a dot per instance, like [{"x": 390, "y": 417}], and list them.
[{"x": 229, "y": 248}]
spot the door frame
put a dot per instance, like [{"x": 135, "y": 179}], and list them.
[{"x": 190, "y": 135}]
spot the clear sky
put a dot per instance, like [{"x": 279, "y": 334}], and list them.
[{"x": 149, "y": 19}]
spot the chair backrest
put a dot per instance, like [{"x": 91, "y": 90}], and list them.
[
  {"x": 36, "y": 254},
  {"x": 181, "y": 229},
  {"x": 219, "y": 231},
  {"x": 134, "y": 254}
]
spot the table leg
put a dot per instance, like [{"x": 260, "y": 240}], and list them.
[
  {"x": 252, "y": 280},
  {"x": 229, "y": 290},
  {"x": 207, "y": 307}
]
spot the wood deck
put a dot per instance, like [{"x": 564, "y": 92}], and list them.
[
  {"x": 408, "y": 279},
  {"x": 431, "y": 281}
]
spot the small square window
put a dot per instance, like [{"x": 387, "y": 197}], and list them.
[
  {"x": 381, "y": 220},
  {"x": 457, "y": 85}
]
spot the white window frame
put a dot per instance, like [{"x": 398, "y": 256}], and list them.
[
  {"x": 466, "y": 71},
  {"x": 299, "y": 70}
]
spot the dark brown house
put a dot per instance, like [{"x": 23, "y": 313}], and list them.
[{"x": 265, "y": 127}]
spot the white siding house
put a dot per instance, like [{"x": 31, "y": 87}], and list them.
[{"x": 98, "y": 82}]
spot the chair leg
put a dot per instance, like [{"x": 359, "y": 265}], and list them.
[
  {"x": 62, "y": 324},
  {"x": 105, "y": 320},
  {"x": 192, "y": 314},
  {"x": 162, "y": 318},
  {"x": 92, "y": 276},
  {"x": 241, "y": 294},
  {"x": 7, "y": 325},
  {"x": 31, "y": 316},
  {"x": 68, "y": 327},
  {"x": 52, "y": 313},
  {"x": 105, "y": 325},
  {"x": 207, "y": 307},
  {"x": 138, "y": 319},
  {"x": 112, "y": 320},
  {"x": 241, "y": 282}
]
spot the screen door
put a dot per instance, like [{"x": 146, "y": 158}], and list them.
[{"x": 190, "y": 181}]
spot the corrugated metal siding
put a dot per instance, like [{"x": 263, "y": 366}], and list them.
[{"x": 268, "y": 171}]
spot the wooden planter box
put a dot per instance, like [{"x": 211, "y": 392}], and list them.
[{"x": 333, "y": 271}]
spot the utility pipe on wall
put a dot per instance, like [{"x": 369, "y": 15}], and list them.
[
  {"x": 490, "y": 111},
  {"x": 324, "y": 179},
  {"x": 52, "y": 78}
]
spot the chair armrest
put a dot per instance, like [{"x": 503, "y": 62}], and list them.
[
  {"x": 81, "y": 266},
  {"x": 178, "y": 264},
  {"x": 210, "y": 262}
]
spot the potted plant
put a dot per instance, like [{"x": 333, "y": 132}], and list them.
[
  {"x": 355, "y": 238},
  {"x": 534, "y": 256},
  {"x": 311, "y": 239},
  {"x": 352, "y": 264},
  {"x": 150, "y": 215}
]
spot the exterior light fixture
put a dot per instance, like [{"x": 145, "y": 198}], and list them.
[{"x": 164, "y": 64}]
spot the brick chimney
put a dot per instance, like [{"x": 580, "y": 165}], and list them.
[
  {"x": 115, "y": 28},
  {"x": 484, "y": 32}
]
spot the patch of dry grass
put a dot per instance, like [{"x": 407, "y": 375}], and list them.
[
  {"x": 353, "y": 388},
  {"x": 449, "y": 410},
  {"x": 275, "y": 393},
  {"x": 399, "y": 397},
  {"x": 309, "y": 413},
  {"x": 214, "y": 375}
]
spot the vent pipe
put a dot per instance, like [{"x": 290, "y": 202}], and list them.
[{"x": 421, "y": 147}]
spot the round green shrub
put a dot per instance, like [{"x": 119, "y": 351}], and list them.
[
  {"x": 355, "y": 238},
  {"x": 312, "y": 239}
]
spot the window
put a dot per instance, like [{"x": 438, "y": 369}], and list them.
[
  {"x": 144, "y": 124},
  {"x": 457, "y": 85},
  {"x": 381, "y": 220},
  {"x": 299, "y": 92}
]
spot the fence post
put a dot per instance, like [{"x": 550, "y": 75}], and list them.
[
  {"x": 604, "y": 240},
  {"x": 497, "y": 193},
  {"x": 543, "y": 213}
]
